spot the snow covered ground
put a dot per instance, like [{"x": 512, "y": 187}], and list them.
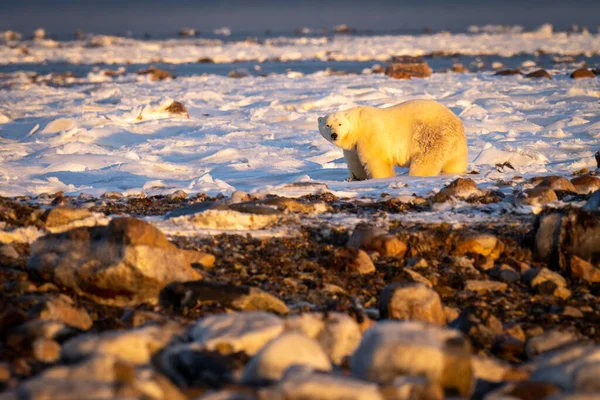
[
  {"x": 119, "y": 50},
  {"x": 260, "y": 134}
]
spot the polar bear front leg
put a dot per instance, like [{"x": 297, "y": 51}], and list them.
[
  {"x": 378, "y": 168},
  {"x": 355, "y": 166}
]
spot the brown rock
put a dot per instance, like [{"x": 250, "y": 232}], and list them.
[
  {"x": 371, "y": 238},
  {"x": 459, "y": 188},
  {"x": 540, "y": 73},
  {"x": 479, "y": 243},
  {"x": 485, "y": 286},
  {"x": 64, "y": 215},
  {"x": 408, "y": 70},
  {"x": 198, "y": 257},
  {"x": 459, "y": 68},
  {"x": 411, "y": 302},
  {"x": 507, "y": 72},
  {"x": 354, "y": 260},
  {"x": 46, "y": 350},
  {"x": 584, "y": 270},
  {"x": 539, "y": 195},
  {"x": 586, "y": 184},
  {"x": 582, "y": 73},
  {"x": 126, "y": 263},
  {"x": 156, "y": 74},
  {"x": 557, "y": 183},
  {"x": 550, "y": 282},
  {"x": 177, "y": 108},
  {"x": 61, "y": 308}
]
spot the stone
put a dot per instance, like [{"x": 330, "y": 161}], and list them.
[
  {"x": 113, "y": 196},
  {"x": 557, "y": 183},
  {"x": 461, "y": 188},
  {"x": 479, "y": 243},
  {"x": 391, "y": 349},
  {"x": 8, "y": 251},
  {"x": 459, "y": 69},
  {"x": 126, "y": 263},
  {"x": 508, "y": 72},
  {"x": 177, "y": 195},
  {"x": 371, "y": 238},
  {"x": 560, "y": 235},
  {"x": 411, "y": 302},
  {"x": 525, "y": 390},
  {"x": 549, "y": 341},
  {"x": 479, "y": 324},
  {"x": 338, "y": 334},
  {"x": 413, "y": 388},
  {"x": 568, "y": 367},
  {"x": 236, "y": 332},
  {"x": 540, "y": 73},
  {"x": 593, "y": 203},
  {"x": 417, "y": 277},
  {"x": 483, "y": 287},
  {"x": 60, "y": 216},
  {"x": 136, "y": 346},
  {"x": 355, "y": 260},
  {"x": 494, "y": 370},
  {"x": 156, "y": 74},
  {"x": 546, "y": 281},
  {"x": 536, "y": 196},
  {"x": 103, "y": 378},
  {"x": 187, "y": 295},
  {"x": 175, "y": 108},
  {"x": 412, "y": 70},
  {"x": 584, "y": 270},
  {"x": 302, "y": 382},
  {"x": 275, "y": 357},
  {"x": 60, "y": 308},
  {"x": 582, "y": 73},
  {"x": 288, "y": 205},
  {"x": 46, "y": 350},
  {"x": 586, "y": 184},
  {"x": 239, "y": 216},
  {"x": 504, "y": 273}
]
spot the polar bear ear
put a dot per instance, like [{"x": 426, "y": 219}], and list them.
[{"x": 320, "y": 119}]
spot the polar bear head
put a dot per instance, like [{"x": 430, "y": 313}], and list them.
[{"x": 337, "y": 128}]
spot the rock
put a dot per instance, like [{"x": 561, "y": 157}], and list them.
[
  {"x": 60, "y": 308},
  {"x": 557, "y": 183},
  {"x": 241, "y": 216},
  {"x": 60, "y": 216},
  {"x": 392, "y": 349},
  {"x": 538, "y": 195},
  {"x": 540, "y": 73},
  {"x": 479, "y": 243},
  {"x": 413, "y": 388},
  {"x": 156, "y": 74},
  {"x": 550, "y": 341},
  {"x": 573, "y": 312},
  {"x": 187, "y": 295},
  {"x": 479, "y": 324},
  {"x": 113, "y": 196},
  {"x": 370, "y": 238},
  {"x": 46, "y": 350},
  {"x": 198, "y": 258},
  {"x": 408, "y": 71},
  {"x": 560, "y": 235},
  {"x": 239, "y": 73},
  {"x": 338, "y": 334},
  {"x": 126, "y": 263},
  {"x": 235, "y": 332},
  {"x": 570, "y": 368},
  {"x": 507, "y": 72},
  {"x": 9, "y": 251},
  {"x": 177, "y": 195},
  {"x": 417, "y": 277},
  {"x": 459, "y": 68},
  {"x": 586, "y": 184},
  {"x": 485, "y": 286},
  {"x": 411, "y": 302},
  {"x": 99, "y": 378},
  {"x": 289, "y": 205},
  {"x": 584, "y": 270},
  {"x": 301, "y": 382},
  {"x": 593, "y": 203},
  {"x": 188, "y": 364},
  {"x": 524, "y": 390},
  {"x": 275, "y": 357},
  {"x": 582, "y": 73},
  {"x": 461, "y": 188},
  {"x": 175, "y": 108},
  {"x": 550, "y": 282},
  {"x": 135, "y": 346},
  {"x": 505, "y": 273},
  {"x": 354, "y": 260}
]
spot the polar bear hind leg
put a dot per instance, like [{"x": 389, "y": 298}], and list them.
[
  {"x": 355, "y": 166},
  {"x": 425, "y": 165},
  {"x": 457, "y": 164}
]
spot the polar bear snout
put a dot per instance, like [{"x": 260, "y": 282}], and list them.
[{"x": 334, "y": 136}]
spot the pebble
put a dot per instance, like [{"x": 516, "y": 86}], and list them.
[
  {"x": 411, "y": 302},
  {"x": 479, "y": 243},
  {"x": 485, "y": 286}
]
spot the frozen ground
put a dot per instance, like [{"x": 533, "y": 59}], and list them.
[
  {"x": 259, "y": 134},
  {"x": 119, "y": 50}
]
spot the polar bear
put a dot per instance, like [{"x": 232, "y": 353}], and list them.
[{"x": 423, "y": 135}]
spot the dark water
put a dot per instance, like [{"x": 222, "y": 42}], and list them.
[{"x": 478, "y": 63}]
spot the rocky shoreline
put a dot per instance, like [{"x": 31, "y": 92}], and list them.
[{"x": 95, "y": 299}]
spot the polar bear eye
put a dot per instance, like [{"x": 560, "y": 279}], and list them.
[
  {"x": 328, "y": 126},
  {"x": 340, "y": 124}
]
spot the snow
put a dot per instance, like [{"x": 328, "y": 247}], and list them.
[
  {"x": 101, "y": 49},
  {"x": 260, "y": 135}
]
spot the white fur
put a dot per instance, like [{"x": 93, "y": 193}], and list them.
[{"x": 423, "y": 135}]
